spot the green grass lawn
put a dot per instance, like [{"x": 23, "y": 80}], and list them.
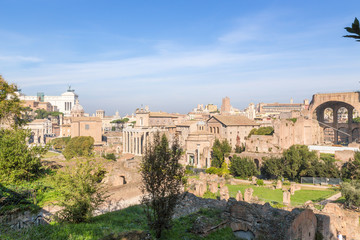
[
  {"x": 301, "y": 196},
  {"x": 268, "y": 195},
  {"x": 49, "y": 154},
  {"x": 132, "y": 218}
]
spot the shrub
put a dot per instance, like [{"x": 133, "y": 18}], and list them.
[
  {"x": 110, "y": 156},
  {"x": 79, "y": 147},
  {"x": 17, "y": 161},
  {"x": 162, "y": 177},
  {"x": 243, "y": 167},
  {"x": 260, "y": 182},
  {"x": 81, "y": 191},
  {"x": 351, "y": 192},
  {"x": 60, "y": 143},
  {"x": 262, "y": 131},
  {"x": 213, "y": 170},
  {"x": 209, "y": 194}
]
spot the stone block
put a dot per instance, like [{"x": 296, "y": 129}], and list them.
[
  {"x": 239, "y": 196},
  {"x": 248, "y": 194}
]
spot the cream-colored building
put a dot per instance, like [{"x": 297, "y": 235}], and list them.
[
  {"x": 40, "y": 129},
  {"x": 233, "y": 128}
]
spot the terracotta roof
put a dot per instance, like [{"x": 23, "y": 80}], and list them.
[
  {"x": 235, "y": 120},
  {"x": 163, "y": 114}
]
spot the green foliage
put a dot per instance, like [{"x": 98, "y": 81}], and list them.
[
  {"x": 272, "y": 168},
  {"x": 60, "y": 143},
  {"x": 110, "y": 156},
  {"x": 213, "y": 170},
  {"x": 111, "y": 225},
  {"x": 43, "y": 114},
  {"x": 161, "y": 176},
  {"x": 79, "y": 147},
  {"x": 299, "y": 162},
  {"x": 243, "y": 167},
  {"x": 354, "y": 29},
  {"x": 18, "y": 162},
  {"x": 124, "y": 120},
  {"x": 240, "y": 149},
  {"x": 81, "y": 191},
  {"x": 10, "y": 105},
  {"x": 293, "y": 120},
  {"x": 351, "y": 192},
  {"x": 210, "y": 195},
  {"x": 351, "y": 169},
  {"x": 262, "y": 131},
  {"x": 260, "y": 182},
  {"x": 219, "y": 151}
]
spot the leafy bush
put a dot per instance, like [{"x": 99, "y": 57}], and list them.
[
  {"x": 239, "y": 149},
  {"x": 81, "y": 191},
  {"x": 260, "y": 182},
  {"x": 351, "y": 192},
  {"x": 243, "y": 167},
  {"x": 209, "y": 194},
  {"x": 213, "y": 170},
  {"x": 17, "y": 161},
  {"x": 262, "y": 131},
  {"x": 110, "y": 156},
  {"x": 60, "y": 143},
  {"x": 79, "y": 147}
]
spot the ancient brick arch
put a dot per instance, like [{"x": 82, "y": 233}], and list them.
[{"x": 335, "y": 111}]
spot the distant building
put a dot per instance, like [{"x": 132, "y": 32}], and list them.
[
  {"x": 40, "y": 129},
  {"x": 225, "y": 106},
  {"x": 63, "y": 103},
  {"x": 232, "y": 128},
  {"x": 274, "y": 109}
]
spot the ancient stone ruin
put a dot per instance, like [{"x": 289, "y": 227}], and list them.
[
  {"x": 279, "y": 184},
  {"x": 239, "y": 196},
  {"x": 224, "y": 193},
  {"x": 248, "y": 194},
  {"x": 286, "y": 198}
]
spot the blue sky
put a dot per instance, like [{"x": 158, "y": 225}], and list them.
[{"x": 172, "y": 55}]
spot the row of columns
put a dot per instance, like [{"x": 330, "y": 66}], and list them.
[{"x": 135, "y": 142}]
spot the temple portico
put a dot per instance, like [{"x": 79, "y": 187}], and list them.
[{"x": 136, "y": 140}]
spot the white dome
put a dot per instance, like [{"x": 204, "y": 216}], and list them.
[{"x": 77, "y": 110}]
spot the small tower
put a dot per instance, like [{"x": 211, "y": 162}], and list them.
[{"x": 142, "y": 117}]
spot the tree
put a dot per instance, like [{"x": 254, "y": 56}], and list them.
[
  {"x": 81, "y": 191},
  {"x": 273, "y": 168},
  {"x": 351, "y": 169},
  {"x": 219, "y": 151},
  {"x": 17, "y": 161},
  {"x": 243, "y": 167},
  {"x": 10, "y": 105},
  {"x": 79, "y": 147},
  {"x": 354, "y": 29},
  {"x": 298, "y": 161},
  {"x": 351, "y": 192},
  {"x": 162, "y": 177}
]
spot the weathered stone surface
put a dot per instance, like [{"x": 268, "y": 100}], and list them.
[
  {"x": 279, "y": 184},
  {"x": 253, "y": 180},
  {"x": 239, "y": 196},
  {"x": 224, "y": 193},
  {"x": 333, "y": 218},
  {"x": 213, "y": 187},
  {"x": 202, "y": 176},
  {"x": 248, "y": 194},
  {"x": 200, "y": 188},
  {"x": 303, "y": 226},
  {"x": 292, "y": 189},
  {"x": 286, "y": 198}
]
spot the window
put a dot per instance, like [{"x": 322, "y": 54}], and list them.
[{"x": 87, "y": 127}]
